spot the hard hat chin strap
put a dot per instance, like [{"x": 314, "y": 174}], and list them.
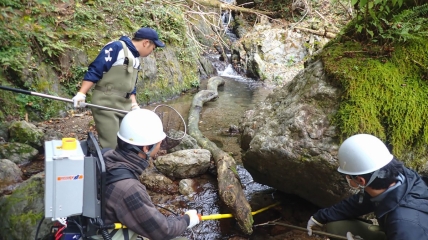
[
  {"x": 361, "y": 195},
  {"x": 150, "y": 151},
  {"x": 376, "y": 174},
  {"x": 147, "y": 153}
]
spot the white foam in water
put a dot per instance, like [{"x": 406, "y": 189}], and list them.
[{"x": 229, "y": 72}]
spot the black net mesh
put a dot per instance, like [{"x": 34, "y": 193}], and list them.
[{"x": 173, "y": 125}]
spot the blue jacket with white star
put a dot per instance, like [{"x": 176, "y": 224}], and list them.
[
  {"x": 108, "y": 57},
  {"x": 402, "y": 214}
]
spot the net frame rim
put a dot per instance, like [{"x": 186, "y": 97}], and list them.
[{"x": 182, "y": 119}]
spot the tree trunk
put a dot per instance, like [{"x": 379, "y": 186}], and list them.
[
  {"x": 218, "y": 4},
  {"x": 229, "y": 185},
  {"x": 320, "y": 32}
]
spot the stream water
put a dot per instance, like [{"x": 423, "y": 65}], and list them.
[{"x": 236, "y": 96}]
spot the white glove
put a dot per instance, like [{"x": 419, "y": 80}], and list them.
[
  {"x": 79, "y": 100},
  {"x": 311, "y": 223},
  {"x": 194, "y": 218},
  {"x": 350, "y": 236},
  {"x": 134, "y": 106}
]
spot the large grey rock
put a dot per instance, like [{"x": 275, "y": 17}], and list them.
[
  {"x": 18, "y": 153},
  {"x": 25, "y": 132},
  {"x": 165, "y": 75},
  {"x": 4, "y": 131},
  {"x": 51, "y": 134},
  {"x": 158, "y": 182},
  {"x": 290, "y": 141},
  {"x": 185, "y": 163},
  {"x": 185, "y": 187},
  {"x": 267, "y": 52},
  {"x": 10, "y": 175},
  {"x": 206, "y": 68},
  {"x": 187, "y": 142},
  {"x": 23, "y": 209}
]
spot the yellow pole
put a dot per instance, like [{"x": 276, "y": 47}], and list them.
[{"x": 228, "y": 215}]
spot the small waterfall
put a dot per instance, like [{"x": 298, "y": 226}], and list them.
[
  {"x": 230, "y": 72},
  {"x": 227, "y": 19}
]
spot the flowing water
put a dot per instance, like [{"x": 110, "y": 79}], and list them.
[{"x": 237, "y": 95}]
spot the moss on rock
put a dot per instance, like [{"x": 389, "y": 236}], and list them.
[
  {"x": 54, "y": 31},
  {"x": 22, "y": 210},
  {"x": 384, "y": 93},
  {"x": 24, "y": 132}
]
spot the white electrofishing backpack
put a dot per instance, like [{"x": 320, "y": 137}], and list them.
[{"x": 75, "y": 182}]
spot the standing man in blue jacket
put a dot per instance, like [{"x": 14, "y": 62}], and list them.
[
  {"x": 114, "y": 73},
  {"x": 397, "y": 195}
]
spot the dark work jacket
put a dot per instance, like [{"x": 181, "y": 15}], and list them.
[
  {"x": 128, "y": 202},
  {"x": 402, "y": 214}
]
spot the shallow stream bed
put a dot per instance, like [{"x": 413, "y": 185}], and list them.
[{"x": 235, "y": 97}]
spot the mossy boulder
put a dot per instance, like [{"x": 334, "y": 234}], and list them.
[
  {"x": 18, "y": 153},
  {"x": 23, "y": 209},
  {"x": 70, "y": 35},
  {"x": 171, "y": 78},
  {"x": 10, "y": 175},
  {"x": 384, "y": 93},
  {"x": 290, "y": 142},
  {"x": 187, "y": 142},
  {"x": 25, "y": 132},
  {"x": 268, "y": 52},
  {"x": 186, "y": 163},
  {"x": 354, "y": 85},
  {"x": 4, "y": 131}
]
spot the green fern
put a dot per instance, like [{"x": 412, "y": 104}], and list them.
[
  {"x": 409, "y": 14},
  {"x": 410, "y": 24}
]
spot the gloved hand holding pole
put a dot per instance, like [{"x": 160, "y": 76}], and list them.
[
  {"x": 79, "y": 100},
  {"x": 134, "y": 106},
  {"x": 60, "y": 98},
  {"x": 194, "y": 218},
  {"x": 312, "y": 223}
]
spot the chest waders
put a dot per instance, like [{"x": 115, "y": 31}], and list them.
[
  {"x": 366, "y": 230},
  {"x": 113, "y": 91}
]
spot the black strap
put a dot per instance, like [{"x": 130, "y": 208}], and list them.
[
  {"x": 125, "y": 234},
  {"x": 118, "y": 174},
  {"x": 124, "y": 231},
  {"x": 112, "y": 233}
]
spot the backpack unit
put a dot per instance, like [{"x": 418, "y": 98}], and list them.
[{"x": 75, "y": 183}]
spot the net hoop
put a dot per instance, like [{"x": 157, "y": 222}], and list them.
[{"x": 182, "y": 119}]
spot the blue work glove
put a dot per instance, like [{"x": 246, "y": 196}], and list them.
[
  {"x": 79, "y": 100},
  {"x": 311, "y": 223},
  {"x": 194, "y": 218}
]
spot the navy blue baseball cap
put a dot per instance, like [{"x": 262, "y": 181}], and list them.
[{"x": 149, "y": 34}]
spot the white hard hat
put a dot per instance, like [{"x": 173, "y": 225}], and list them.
[
  {"x": 141, "y": 127},
  {"x": 361, "y": 154}
]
